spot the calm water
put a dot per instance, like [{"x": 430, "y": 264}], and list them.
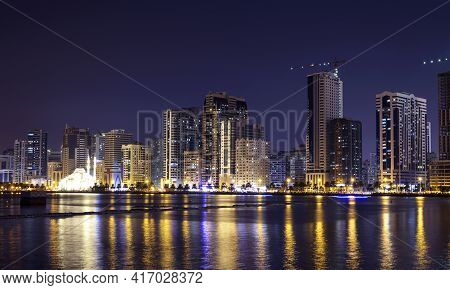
[{"x": 271, "y": 232}]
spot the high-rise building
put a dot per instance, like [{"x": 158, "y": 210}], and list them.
[
  {"x": 54, "y": 173},
  {"x": 136, "y": 164},
  {"x": 192, "y": 168},
  {"x": 277, "y": 171},
  {"x": 296, "y": 165},
  {"x": 401, "y": 138},
  {"x": 325, "y": 103},
  {"x": 6, "y": 168},
  {"x": 372, "y": 170},
  {"x": 252, "y": 162},
  {"x": 76, "y": 150},
  {"x": 99, "y": 140},
  {"x": 156, "y": 154},
  {"x": 444, "y": 115},
  {"x": 36, "y": 154},
  {"x": 344, "y": 151},
  {"x": 429, "y": 145},
  {"x": 181, "y": 133},
  {"x": 20, "y": 147},
  {"x": 113, "y": 155},
  {"x": 222, "y": 116},
  {"x": 440, "y": 169}
]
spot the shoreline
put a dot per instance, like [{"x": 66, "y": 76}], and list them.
[{"x": 16, "y": 194}]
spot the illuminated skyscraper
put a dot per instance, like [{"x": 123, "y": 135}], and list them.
[
  {"x": 401, "y": 138},
  {"x": 113, "y": 155},
  {"x": 19, "y": 161},
  {"x": 36, "y": 154},
  {"x": 444, "y": 115},
  {"x": 181, "y": 133},
  {"x": 192, "y": 168},
  {"x": 345, "y": 151},
  {"x": 76, "y": 149},
  {"x": 136, "y": 164},
  {"x": 325, "y": 103},
  {"x": 221, "y": 117},
  {"x": 252, "y": 163}
]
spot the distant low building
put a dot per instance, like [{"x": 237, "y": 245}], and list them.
[
  {"x": 6, "y": 168},
  {"x": 192, "y": 168}
]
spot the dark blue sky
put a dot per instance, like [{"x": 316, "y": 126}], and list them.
[{"x": 183, "y": 49}]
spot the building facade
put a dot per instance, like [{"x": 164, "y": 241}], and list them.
[
  {"x": 76, "y": 149},
  {"x": 19, "y": 175},
  {"x": 6, "y": 168},
  {"x": 113, "y": 157},
  {"x": 36, "y": 154},
  {"x": 181, "y": 133},
  {"x": 277, "y": 171},
  {"x": 439, "y": 175},
  {"x": 401, "y": 138},
  {"x": 136, "y": 164},
  {"x": 156, "y": 154},
  {"x": 252, "y": 163},
  {"x": 296, "y": 165},
  {"x": 345, "y": 151},
  {"x": 325, "y": 103},
  {"x": 192, "y": 168},
  {"x": 221, "y": 117}
]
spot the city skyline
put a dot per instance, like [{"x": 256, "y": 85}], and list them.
[{"x": 262, "y": 81}]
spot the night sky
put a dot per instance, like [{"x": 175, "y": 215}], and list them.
[{"x": 183, "y": 49}]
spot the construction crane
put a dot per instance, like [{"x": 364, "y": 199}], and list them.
[
  {"x": 334, "y": 64},
  {"x": 435, "y": 61}
]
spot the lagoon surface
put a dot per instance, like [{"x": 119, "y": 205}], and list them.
[{"x": 205, "y": 231}]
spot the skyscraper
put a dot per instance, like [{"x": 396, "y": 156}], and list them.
[
  {"x": 192, "y": 168},
  {"x": 221, "y": 117},
  {"x": 296, "y": 164},
  {"x": 277, "y": 171},
  {"x": 345, "y": 150},
  {"x": 325, "y": 103},
  {"x": 19, "y": 161},
  {"x": 181, "y": 133},
  {"x": 429, "y": 148},
  {"x": 401, "y": 138},
  {"x": 156, "y": 155},
  {"x": 76, "y": 149},
  {"x": 136, "y": 164},
  {"x": 113, "y": 155},
  {"x": 440, "y": 169},
  {"x": 36, "y": 154},
  {"x": 252, "y": 162},
  {"x": 6, "y": 168},
  {"x": 372, "y": 170}
]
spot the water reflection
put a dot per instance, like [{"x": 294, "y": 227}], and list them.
[
  {"x": 320, "y": 247},
  {"x": 261, "y": 241},
  {"x": 227, "y": 239},
  {"x": 289, "y": 238},
  {"x": 422, "y": 259},
  {"x": 291, "y": 233},
  {"x": 386, "y": 253},
  {"x": 353, "y": 254}
]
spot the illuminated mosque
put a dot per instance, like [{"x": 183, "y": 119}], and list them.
[{"x": 79, "y": 180}]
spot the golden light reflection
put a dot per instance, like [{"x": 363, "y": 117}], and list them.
[
  {"x": 386, "y": 253},
  {"x": 227, "y": 239},
  {"x": 165, "y": 228},
  {"x": 261, "y": 246},
  {"x": 289, "y": 238},
  {"x": 352, "y": 238},
  {"x": 149, "y": 239},
  {"x": 112, "y": 242},
  {"x": 129, "y": 251},
  {"x": 320, "y": 247},
  {"x": 421, "y": 242},
  {"x": 186, "y": 240},
  {"x": 54, "y": 245}
]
